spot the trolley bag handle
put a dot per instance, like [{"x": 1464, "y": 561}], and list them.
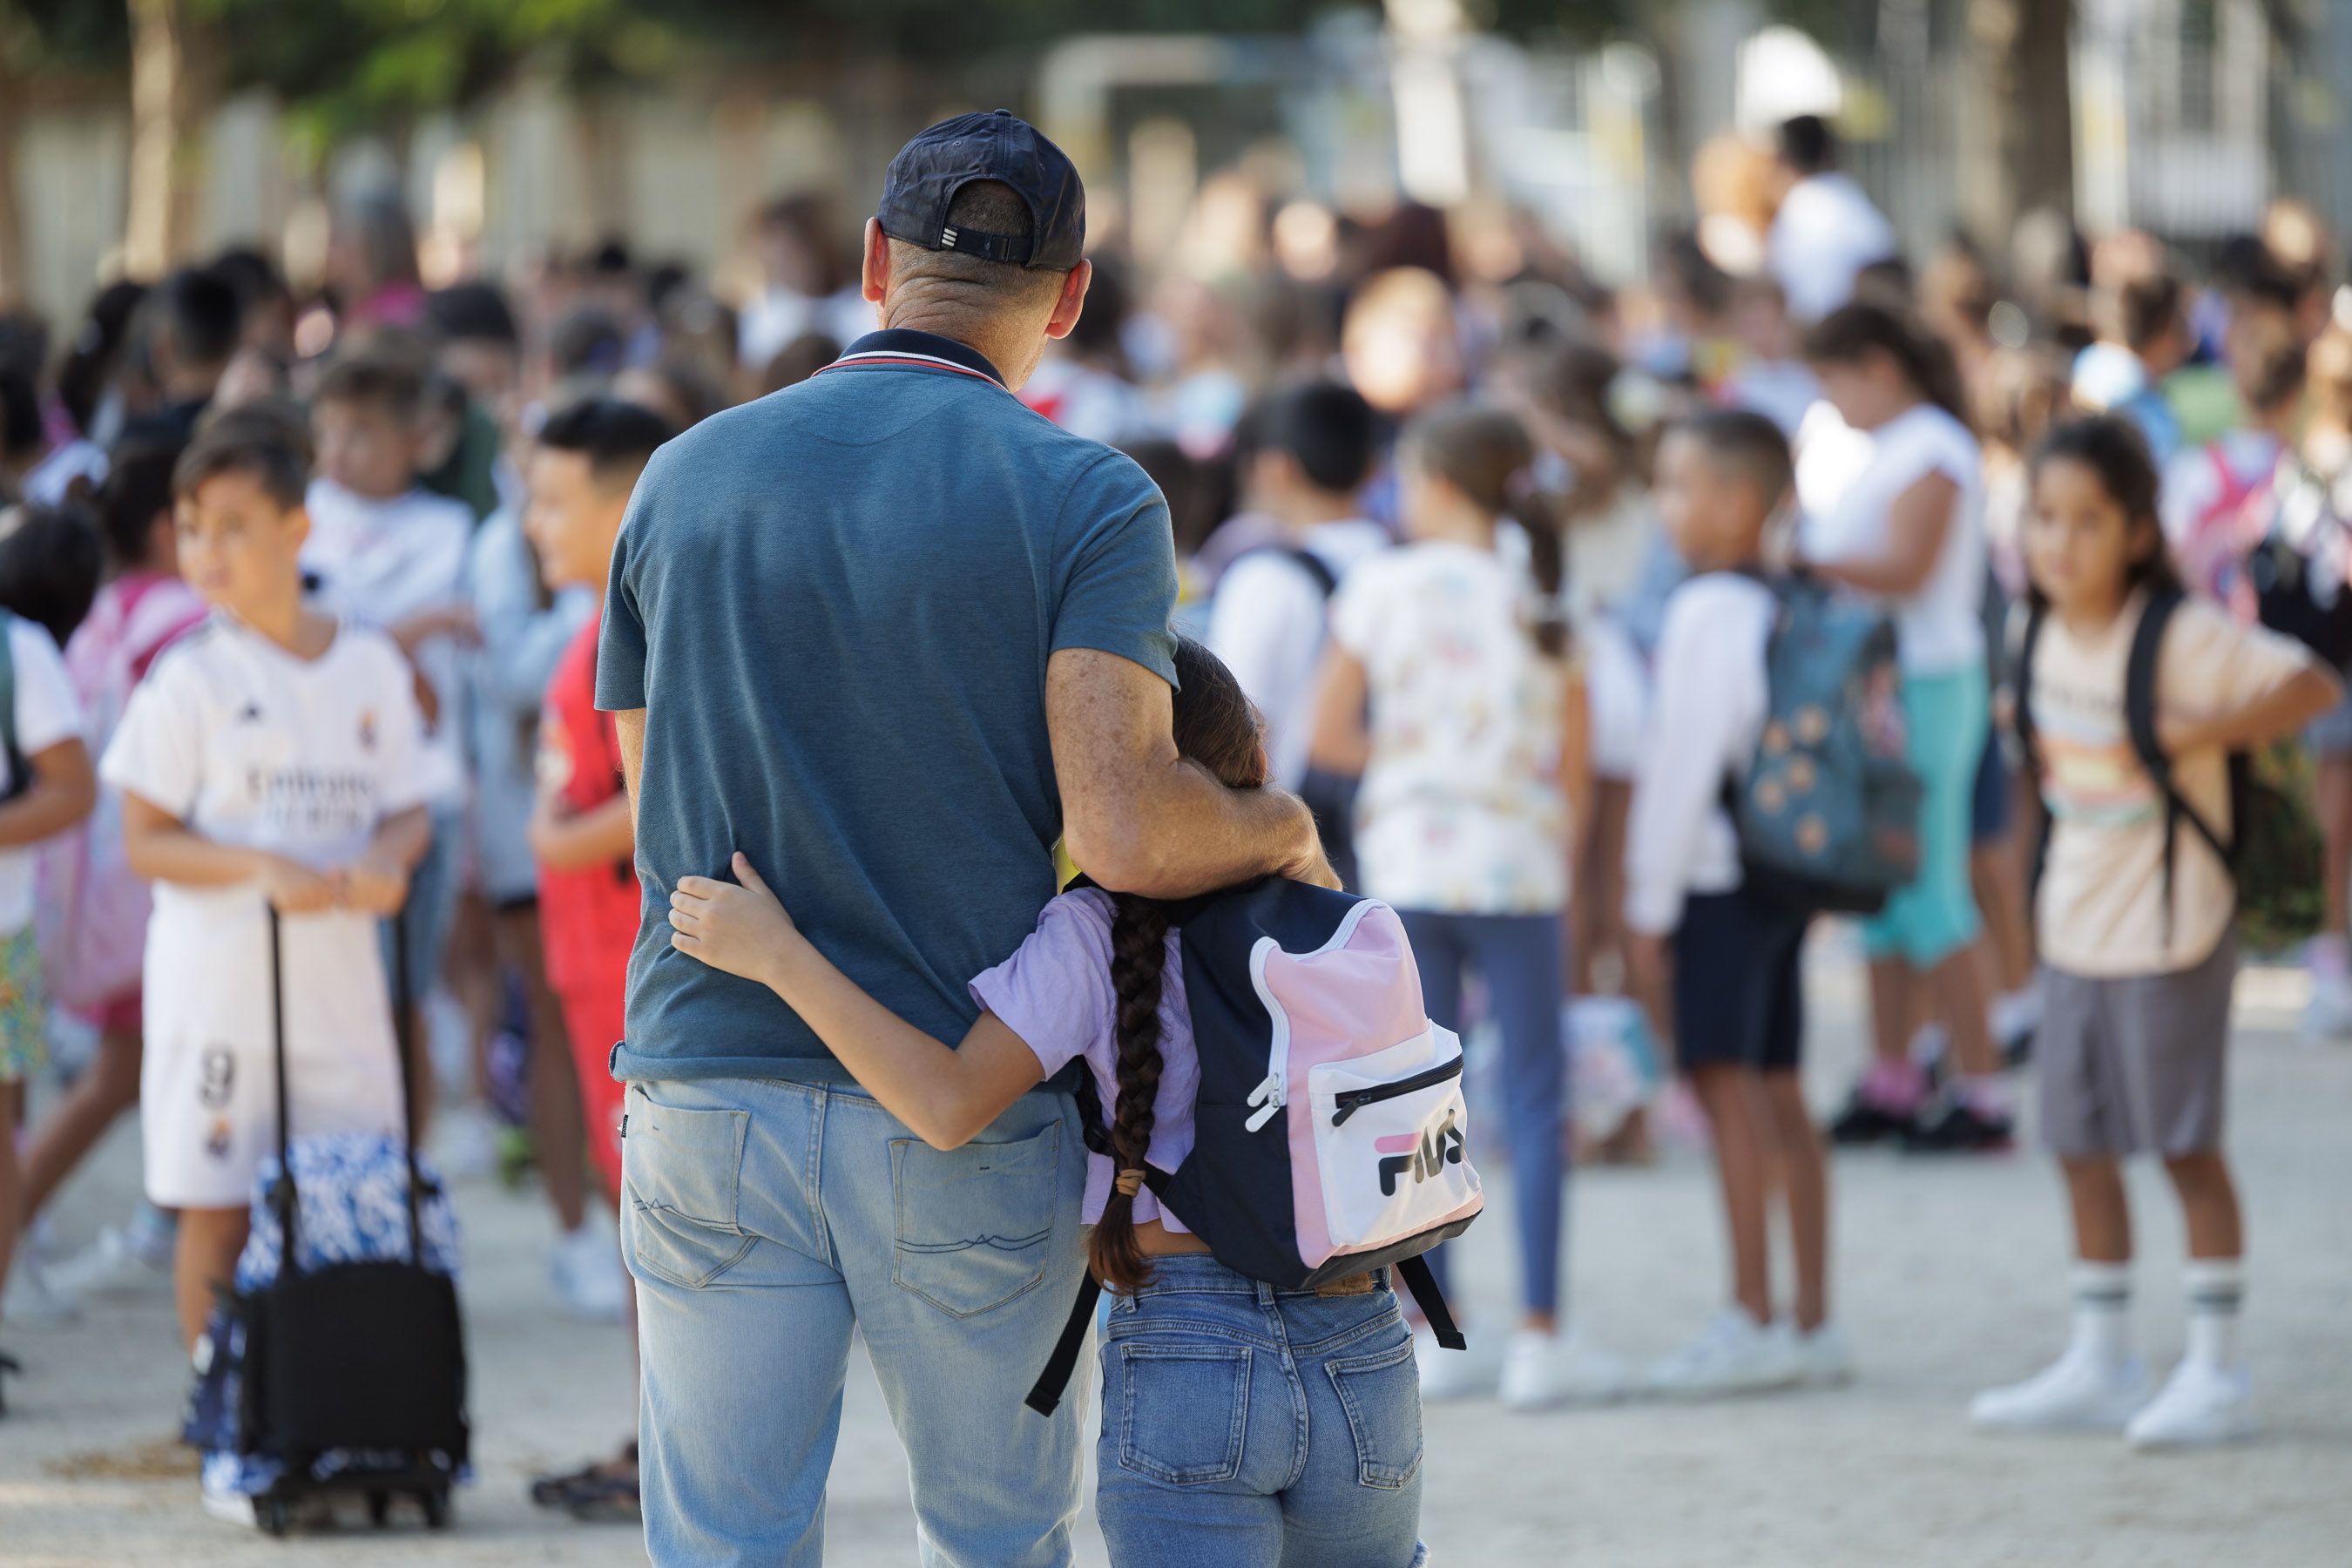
[{"x": 282, "y": 1194}]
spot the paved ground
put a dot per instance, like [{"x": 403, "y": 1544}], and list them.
[{"x": 1949, "y": 1277}]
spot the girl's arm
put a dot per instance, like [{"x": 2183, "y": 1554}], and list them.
[
  {"x": 1917, "y": 524},
  {"x": 60, "y": 792},
  {"x": 946, "y": 1094},
  {"x": 1342, "y": 743},
  {"x": 377, "y": 882},
  {"x": 1576, "y": 754},
  {"x": 596, "y": 837},
  {"x": 2286, "y": 709},
  {"x": 159, "y": 847}
]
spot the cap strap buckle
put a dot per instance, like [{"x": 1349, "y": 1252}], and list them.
[{"x": 1013, "y": 247}]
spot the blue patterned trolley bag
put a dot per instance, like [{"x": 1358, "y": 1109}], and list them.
[{"x": 337, "y": 1364}]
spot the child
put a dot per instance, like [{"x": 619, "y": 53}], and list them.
[
  {"x": 387, "y": 552},
  {"x": 1737, "y": 997},
  {"x": 48, "y": 569},
  {"x": 1474, "y": 767},
  {"x": 1102, "y": 979},
  {"x": 1312, "y": 450},
  {"x": 2132, "y": 1056},
  {"x": 94, "y": 912},
  {"x": 272, "y": 757},
  {"x": 586, "y": 462}
]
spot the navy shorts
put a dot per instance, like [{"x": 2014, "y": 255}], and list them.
[
  {"x": 1739, "y": 995},
  {"x": 1989, "y": 812}
]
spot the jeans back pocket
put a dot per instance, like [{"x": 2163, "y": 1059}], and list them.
[
  {"x": 1381, "y": 1393},
  {"x": 683, "y": 1171},
  {"x": 1184, "y": 1414},
  {"x": 973, "y": 1224}
]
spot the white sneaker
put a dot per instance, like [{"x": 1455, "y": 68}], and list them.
[
  {"x": 1541, "y": 1370},
  {"x": 1455, "y": 1374},
  {"x": 2079, "y": 1391},
  {"x": 35, "y": 1298},
  {"x": 228, "y": 1504},
  {"x": 121, "y": 1260},
  {"x": 1733, "y": 1354},
  {"x": 585, "y": 1269},
  {"x": 1821, "y": 1357},
  {"x": 2328, "y": 1014},
  {"x": 2199, "y": 1405}
]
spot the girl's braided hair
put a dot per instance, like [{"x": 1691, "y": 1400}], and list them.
[{"x": 1216, "y": 729}]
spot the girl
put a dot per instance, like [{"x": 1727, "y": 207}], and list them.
[
  {"x": 1892, "y": 487},
  {"x": 1473, "y": 764},
  {"x": 1314, "y": 1460},
  {"x": 2136, "y": 991}
]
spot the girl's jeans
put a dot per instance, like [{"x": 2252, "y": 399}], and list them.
[
  {"x": 1244, "y": 1425},
  {"x": 1518, "y": 956}
]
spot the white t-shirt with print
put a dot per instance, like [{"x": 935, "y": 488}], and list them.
[
  {"x": 1267, "y": 624},
  {"x": 250, "y": 745},
  {"x": 46, "y": 715},
  {"x": 381, "y": 561},
  {"x": 1462, "y": 808},
  {"x": 1847, "y": 480}
]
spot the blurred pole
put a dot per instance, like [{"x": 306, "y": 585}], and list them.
[
  {"x": 1433, "y": 137},
  {"x": 168, "y": 56},
  {"x": 2017, "y": 149}
]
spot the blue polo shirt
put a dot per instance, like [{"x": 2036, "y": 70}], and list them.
[{"x": 835, "y": 606}]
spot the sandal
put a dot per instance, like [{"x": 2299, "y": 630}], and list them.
[{"x": 603, "y": 1490}]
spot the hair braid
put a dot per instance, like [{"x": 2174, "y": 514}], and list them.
[{"x": 1138, "y": 964}]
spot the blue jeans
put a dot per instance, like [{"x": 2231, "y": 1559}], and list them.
[
  {"x": 1518, "y": 956},
  {"x": 763, "y": 1219},
  {"x": 1249, "y": 1428}
]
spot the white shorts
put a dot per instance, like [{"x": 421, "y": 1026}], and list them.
[
  {"x": 207, "y": 1086},
  {"x": 1617, "y": 697}
]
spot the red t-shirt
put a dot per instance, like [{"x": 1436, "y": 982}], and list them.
[{"x": 587, "y": 917}]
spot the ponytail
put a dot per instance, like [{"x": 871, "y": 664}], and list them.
[
  {"x": 1547, "y": 561},
  {"x": 1852, "y": 331},
  {"x": 1487, "y": 454},
  {"x": 1138, "y": 963}
]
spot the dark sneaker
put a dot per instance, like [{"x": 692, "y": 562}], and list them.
[
  {"x": 1864, "y": 1120},
  {"x": 2017, "y": 1049},
  {"x": 8, "y": 1365},
  {"x": 1960, "y": 1129}
]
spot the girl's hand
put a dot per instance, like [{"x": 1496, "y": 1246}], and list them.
[
  {"x": 296, "y": 888},
  {"x": 374, "y": 886},
  {"x": 741, "y": 928}
]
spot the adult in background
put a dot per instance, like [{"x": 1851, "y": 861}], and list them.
[
  {"x": 1826, "y": 231},
  {"x": 889, "y": 634}
]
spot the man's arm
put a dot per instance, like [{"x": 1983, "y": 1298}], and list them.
[
  {"x": 629, "y": 729},
  {"x": 1139, "y": 818}
]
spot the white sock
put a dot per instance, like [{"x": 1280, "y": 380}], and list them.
[
  {"x": 2216, "y": 1288},
  {"x": 2103, "y": 1310},
  {"x": 2017, "y": 1012},
  {"x": 1988, "y": 1095}
]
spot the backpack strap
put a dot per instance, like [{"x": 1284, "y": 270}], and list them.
[
  {"x": 20, "y": 776},
  {"x": 1414, "y": 1272},
  {"x": 2029, "y": 740},
  {"x": 2139, "y": 716},
  {"x": 1045, "y": 1394},
  {"x": 1327, "y": 582}
]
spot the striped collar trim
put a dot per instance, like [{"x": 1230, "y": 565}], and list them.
[{"x": 905, "y": 349}]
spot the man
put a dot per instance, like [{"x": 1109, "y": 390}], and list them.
[
  {"x": 890, "y": 634},
  {"x": 1826, "y": 233}
]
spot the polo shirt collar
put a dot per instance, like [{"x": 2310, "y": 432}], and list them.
[{"x": 905, "y": 345}]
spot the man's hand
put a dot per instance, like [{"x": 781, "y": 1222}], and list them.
[{"x": 294, "y": 888}]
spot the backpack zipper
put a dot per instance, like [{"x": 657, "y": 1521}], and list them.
[
  {"x": 1352, "y": 1100},
  {"x": 1274, "y": 1090}
]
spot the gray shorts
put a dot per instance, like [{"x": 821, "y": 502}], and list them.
[{"x": 2136, "y": 1065}]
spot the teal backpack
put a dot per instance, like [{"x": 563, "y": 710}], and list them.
[{"x": 1828, "y": 812}]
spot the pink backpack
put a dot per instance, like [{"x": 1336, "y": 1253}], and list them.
[
  {"x": 92, "y": 923},
  {"x": 1330, "y": 1136}
]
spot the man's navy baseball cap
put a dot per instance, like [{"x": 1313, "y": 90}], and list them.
[{"x": 1002, "y": 146}]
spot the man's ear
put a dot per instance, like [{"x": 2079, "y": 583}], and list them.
[
  {"x": 1072, "y": 302},
  {"x": 874, "y": 269}
]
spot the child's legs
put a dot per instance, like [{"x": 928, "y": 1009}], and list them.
[
  {"x": 1356, "y": 1502},
  {"x": 2208, "y": 1204},
  {"x": 1996, "y": 875},
  {"x": 1805, "y": 1182},
  {"x": 210, "y": 1240},
  {"x": 107, "y": 1088},
  {"x": 1733, "y": 1100},
  {"x": 1438, "y": 954},
  {"x": 2332, "y": 799},
  {"x": 1518, "y": 957},
  {"x": 2095, "y": 1191},
  {"x": 555, "y": 1124},
  {"x": 1596, "y": 919},
  {"x": 1894, "y": 1010}
]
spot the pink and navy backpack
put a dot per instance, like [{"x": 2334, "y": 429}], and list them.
[{"x": 1330, "y": 1136}]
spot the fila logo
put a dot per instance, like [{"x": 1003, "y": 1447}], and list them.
[
  {"x": 1426, "y": 1158},
  {"x": 948, "y": 239}
]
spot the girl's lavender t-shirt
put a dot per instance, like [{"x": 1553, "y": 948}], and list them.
[{"x": 1055, "y": 993}]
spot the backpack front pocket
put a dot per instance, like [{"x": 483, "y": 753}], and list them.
[{"x": 1391, "y": 1141}]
